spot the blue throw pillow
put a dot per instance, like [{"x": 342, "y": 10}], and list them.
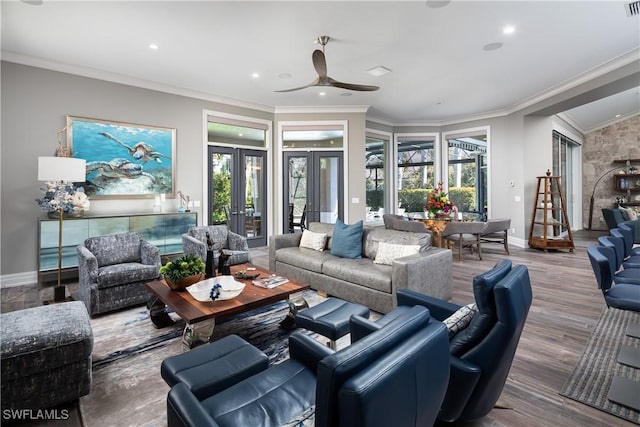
[{"x": 346, "y": 241}]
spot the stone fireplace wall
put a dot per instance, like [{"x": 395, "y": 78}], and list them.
[{"x": 615, "y": 142}]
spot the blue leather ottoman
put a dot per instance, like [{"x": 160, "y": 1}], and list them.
[
  {"x": 211, "y": 368},
  {"x": 330, "y": 318}
]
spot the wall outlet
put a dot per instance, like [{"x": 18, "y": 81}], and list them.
[
  {"x": 513, "y": 231},
  {"x": 196, "y": 203},
  {"x": 355, "y": 200},
  {"x": 516, "y": 198}
]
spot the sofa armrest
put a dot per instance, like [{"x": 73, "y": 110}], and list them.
[
  {"x": 463, "y": 378},
  {"x": 360, "y": 327},
  {"x": 191, "y": 245},
  {"x": 429, "y": 272},
  {"x": 307, "y": 350},
  {"x": 237, "y": 242},
  {"x": 150, "y": 254},
  {"x": 281, "y": 241},
  {"x": 184, "y": 409},
  {"x": 87, "y": 265},
  {"x": 438, "y": 308}
]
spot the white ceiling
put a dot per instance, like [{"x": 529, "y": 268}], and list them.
[{"x": 440, "y": 71}]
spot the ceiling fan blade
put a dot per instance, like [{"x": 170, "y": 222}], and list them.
[
  {"x": 320, "y": 63},
  {"x": 313, "y": 83},
  {"x": 351, "y": 86}
]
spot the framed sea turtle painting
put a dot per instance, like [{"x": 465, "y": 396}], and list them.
[{"x": 124, "y": 160}]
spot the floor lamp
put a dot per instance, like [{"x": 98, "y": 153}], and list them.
[
  {"x": 65, "y": 169},
  {"x": 594, "y": 192}
]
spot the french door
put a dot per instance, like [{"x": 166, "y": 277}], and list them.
[
  {"x": 237, "y": 191},
  {"x": 314, "y": 187}
]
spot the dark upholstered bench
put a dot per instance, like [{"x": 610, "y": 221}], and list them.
[
  {"x": 330, "y": 318},
  {"x": 45, "y": 355},
  {"x": 211, "y": 368}
]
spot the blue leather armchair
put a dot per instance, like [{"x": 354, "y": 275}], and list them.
[
  {"x": 481, "y": 354},
  {"x": 349, "y": 387},
  {"x": 623, "y": 296}
]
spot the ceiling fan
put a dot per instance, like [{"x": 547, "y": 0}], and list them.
[{"x": 320, "y": 64}]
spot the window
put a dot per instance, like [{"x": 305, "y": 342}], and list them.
[
  {"x": 564, "y": 157},
  {"x": 376, "y": 147},
  {"x": 416, "y": 167}
]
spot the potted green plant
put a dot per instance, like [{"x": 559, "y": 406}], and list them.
[{"x": 183, "y": 271}]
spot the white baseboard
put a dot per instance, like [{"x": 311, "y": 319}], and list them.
[
  {"x": 515, "y": 241},
  {"x": 18, "y": 279}
]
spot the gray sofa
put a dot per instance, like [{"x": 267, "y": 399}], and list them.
[
  {"x": 360, "y": 280},
  {"x": 113, "y": 271}
]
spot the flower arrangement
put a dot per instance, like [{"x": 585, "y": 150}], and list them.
[
  {"x": 65, "y": 195},
  {"x": 438, "y": 201}
]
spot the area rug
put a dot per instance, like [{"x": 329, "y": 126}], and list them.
[
  {"x": 589, "y": 382},
  {"x": 127, "y": 389}
]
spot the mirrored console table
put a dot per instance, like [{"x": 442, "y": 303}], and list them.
[{"x": 163, "y": 230}]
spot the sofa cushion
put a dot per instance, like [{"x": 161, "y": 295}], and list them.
[
  {"x": 371, "y": 237},
  {"x": 460, "y": 319},
  {"x": 312, "y": 240},
  {"x": 360, "y": 271},
  {"x": 387, "y": 252},
  {"x": 307, "y": 259},
  {"x": 347, "y": 240},
  {"x": 121, "y": 274},
  {"x": 323, "y": 227},
  {"x": 115, "y": 249}
]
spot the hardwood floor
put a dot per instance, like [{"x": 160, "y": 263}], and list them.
[{"x": 566, "y": 306}]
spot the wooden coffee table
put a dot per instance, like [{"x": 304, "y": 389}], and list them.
[{"x": 200, "y": 317}]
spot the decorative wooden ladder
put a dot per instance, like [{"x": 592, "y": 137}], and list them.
[{"x": 554, "y": 219}]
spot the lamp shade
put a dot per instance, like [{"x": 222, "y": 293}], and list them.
[{"x": 62, "y": 169}]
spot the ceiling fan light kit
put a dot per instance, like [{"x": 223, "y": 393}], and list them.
[{"x": 320, "y": 64}]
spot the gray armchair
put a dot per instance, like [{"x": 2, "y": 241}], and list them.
[
  {"x": 113, "y": 271},
  {"x": 195, "y": 242}
]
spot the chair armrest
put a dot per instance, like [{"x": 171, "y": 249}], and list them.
[
  {"x": 360, "y": 327},
  {"x": 463, "y": 378},
  {"x": 237, "y": 242},
  {"x": 184, "y": 409},
  {"x": 150, "y": 254},
  {"x": 281, "y": 241},
  {"x": 429, "y": 272},
  {"x": 191, "y": 245},
  {"x": 438, "y": 308},
  {"x": 87, "y": 264},
  {"x": 307, "y": 350}
]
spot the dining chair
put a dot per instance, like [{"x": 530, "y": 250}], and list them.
[{"x": 464, "y": 234}]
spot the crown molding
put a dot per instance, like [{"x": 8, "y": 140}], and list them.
[{"x": 129, "y": 81}]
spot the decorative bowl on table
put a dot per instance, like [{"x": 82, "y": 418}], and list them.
[
  {"x": 180, "y": 285},
  {"x": 229, "y": 288}
]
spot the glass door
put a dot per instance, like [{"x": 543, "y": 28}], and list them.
[
  {"x": 313, "y": 188},
  {"x": 237, "y": 192}
]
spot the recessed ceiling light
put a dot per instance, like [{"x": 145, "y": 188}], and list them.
[
  {"x": 255, "y": 75},
  {"x": 284, "y": 76},
  {"x": 153, "y": 46},
  {"x": 509, "y": 29},
  {"x": 240, "y": 134},
  {"x": 322, "y": 93},
  {"x": 618, "y": 115},
  {"x": 492, "y": 46},
  {"x": 379, "y": 71}
]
